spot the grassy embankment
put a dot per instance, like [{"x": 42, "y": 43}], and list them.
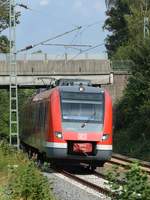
[{"x": 20, "y": 179}]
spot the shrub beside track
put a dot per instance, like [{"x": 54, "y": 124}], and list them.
[{"x": 20, "y": 179}]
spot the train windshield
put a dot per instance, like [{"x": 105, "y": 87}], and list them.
[{"x": 83, "y": 107}]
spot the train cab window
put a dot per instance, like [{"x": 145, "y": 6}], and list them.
[{"x": 82, "y": 107}]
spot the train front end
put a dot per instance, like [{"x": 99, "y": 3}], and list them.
[{"x": 81, "y": 119}]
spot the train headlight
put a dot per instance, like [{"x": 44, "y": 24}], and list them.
[
  {"x": 58, "y": 135},
  {"x": 105, "y": 136},
  {"x": 81, "y": 88}
]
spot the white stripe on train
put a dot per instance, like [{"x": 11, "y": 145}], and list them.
[
  {"x": 56, "y": 145},
  {"x": 103, "y": 147},
  {"x": 64, "y": 145}
]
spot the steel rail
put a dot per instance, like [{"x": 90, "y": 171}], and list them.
[
  {"x": 124, "y": 161},
  {"x": 82, "y": 181},
  {"x": 95, "y": 187},
  {"x": 130, "y": 160}
]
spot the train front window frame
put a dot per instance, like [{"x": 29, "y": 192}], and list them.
[{"x": 77, "y": 107}]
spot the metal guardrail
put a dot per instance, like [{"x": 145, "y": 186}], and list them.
[
  {"x": 121, "y": 65},
  {"x": 44, "y": 57},
  {"x": 33, "y": 67},
  {"x": 35, "y": 62}
]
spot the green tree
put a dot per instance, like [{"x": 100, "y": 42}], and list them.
[
  {"x": 133, "y": 110},
  {"x": 24, "y": 94},
  {"x": 4, "y": 113},
  {"x": 4, "y": 24},
  {"x": 125, "y": 22},
  {"x": 109, "y": 3},
  {"x": 117, "y": 25}
]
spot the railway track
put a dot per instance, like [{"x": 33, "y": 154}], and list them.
[
  {"x": 100, "y": 179},
  {"x": 92, "y": 180},
  {"x": 82, "y": 180},
  {"x": 117, "y": 159},
  {"x": 124, "y": 161}
]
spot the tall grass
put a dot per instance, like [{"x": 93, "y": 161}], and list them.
[{"x": 19, "y": 177}]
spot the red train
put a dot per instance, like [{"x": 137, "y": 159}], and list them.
[{"x": 72, "y": 121}]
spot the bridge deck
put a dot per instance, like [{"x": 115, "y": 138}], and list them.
[{"x": 37, "y": 72}]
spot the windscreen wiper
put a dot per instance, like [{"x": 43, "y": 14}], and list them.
[{"x": 87, "y": 121}]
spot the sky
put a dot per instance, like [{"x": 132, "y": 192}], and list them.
[{"x": 48, "y": 18}]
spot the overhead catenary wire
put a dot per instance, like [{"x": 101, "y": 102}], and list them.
[
  {"x": 85, "y": 27},
  {"x": 69, "y": 45},
  {"x": 93, "y": 23},
  {"x": 86, "y": 50},
  {"x": 80, "y": 32},
  {"x": 47, "y": 40},
  {"x": 75, "y": 36}
]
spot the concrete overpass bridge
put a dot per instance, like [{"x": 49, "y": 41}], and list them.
[{"x": 38, "y": 73}]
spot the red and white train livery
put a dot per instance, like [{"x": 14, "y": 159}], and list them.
[{"x": 72, "y": 121}]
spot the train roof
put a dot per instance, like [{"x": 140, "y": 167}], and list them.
[
  {"x": 75, "y": 88},
  {"x": 67, "y": 85}
]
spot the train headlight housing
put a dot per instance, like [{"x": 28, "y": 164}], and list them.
[
  {"x": 105, "y": 136},
  {"x": 81, "y": 88},
  {"x": 58, "y": 134}
]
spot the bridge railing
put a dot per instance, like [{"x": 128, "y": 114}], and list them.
[
  {"x": 40, "y": 63},
  {"x": 43, "y": 65},
  {"x": 121, "y": 65},
  {"x": 44, "y": 57}
]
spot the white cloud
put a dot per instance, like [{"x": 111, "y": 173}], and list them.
[{"x": 44, "y": 2}]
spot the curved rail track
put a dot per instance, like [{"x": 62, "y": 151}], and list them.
[
  {"x": 124, "y": 161},
  {"x": 98, "y": 188},
  {"x": 82, "y": 179},
  {"x": 117, "y": 159}
]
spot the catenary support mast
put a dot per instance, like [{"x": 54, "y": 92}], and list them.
[{"x": 13, "y": 88}]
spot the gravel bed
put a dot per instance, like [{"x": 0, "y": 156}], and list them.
[
  {"x": 66, "y": 189},
  {"x": 95, "y": 180}
]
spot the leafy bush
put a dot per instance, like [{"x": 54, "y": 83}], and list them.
[
  {"x": 27, "y": 183},
  {"x": 4, "y": 109},
  {"x": 133, "y": 110},
  {"x": 135, "y": 187},
  {"x": 23, "y": 181}
]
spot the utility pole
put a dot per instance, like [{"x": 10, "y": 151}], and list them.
[
  {"x": 146, "y": 22},
  {"x": 13, "y": 86},
  {"x": 146, "y": 27}
]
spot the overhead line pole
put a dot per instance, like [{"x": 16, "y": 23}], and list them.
[
  {"x": 146, "y": 21},
  {"x": 13, "y": 86}
]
